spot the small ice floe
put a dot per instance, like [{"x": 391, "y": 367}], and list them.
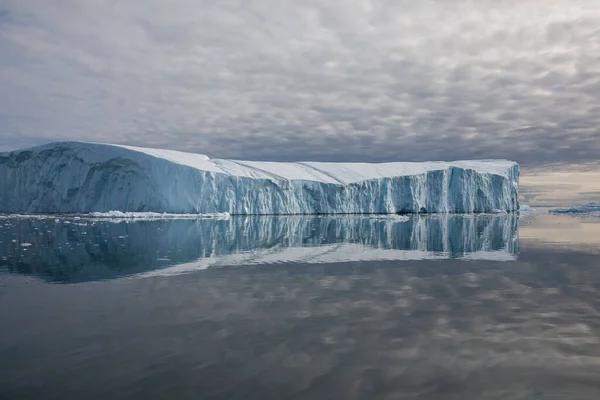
[{"x": 151, "y": 216}]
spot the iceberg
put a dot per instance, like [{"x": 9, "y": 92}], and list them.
[
  {"x": 79, "y": 177},
  {"x": 587, "y": 209},
  {"x": 525, "y": 208}
]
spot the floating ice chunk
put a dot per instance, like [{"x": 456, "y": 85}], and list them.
[
  {"x": 152, "y": 215},
  {"x": 589, "y": 208},
  {"x": 525, "y": 208},
  {"x": 394, "y": 217},
  {"x": 114, "y": 215}
]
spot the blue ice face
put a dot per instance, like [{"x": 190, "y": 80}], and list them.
[{"x": 84, "y": 177}]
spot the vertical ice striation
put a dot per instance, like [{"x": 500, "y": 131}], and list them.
[{"x": 81, "y": 177}]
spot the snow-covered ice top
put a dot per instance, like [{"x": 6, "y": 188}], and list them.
[
  {"x": 326, "y": 172},
  {"x": 91, "y": 177}
]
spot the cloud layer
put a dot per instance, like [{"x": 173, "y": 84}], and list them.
[{"x": 368, "y": 80}]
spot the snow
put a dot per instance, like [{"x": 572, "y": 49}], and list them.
[
  {"x": 344, "y": 173},
  {"x": 198, "y": 161},
  {"x": 78, "y": 177}
]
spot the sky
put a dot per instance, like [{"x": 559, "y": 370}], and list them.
[{"x": 324, "y": 80}]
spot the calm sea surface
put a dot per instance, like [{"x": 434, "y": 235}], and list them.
[{"x": 429, "y": 307}]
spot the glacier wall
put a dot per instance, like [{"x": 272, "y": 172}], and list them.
[{"x": 68, "y": 177}]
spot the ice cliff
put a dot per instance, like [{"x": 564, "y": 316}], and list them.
[{"x": 67, "y": 177}]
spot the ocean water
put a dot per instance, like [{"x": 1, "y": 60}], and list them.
[{"x": 422, "y": 307}]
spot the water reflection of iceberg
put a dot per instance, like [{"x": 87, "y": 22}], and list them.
[{"x": 67, "y": 251}]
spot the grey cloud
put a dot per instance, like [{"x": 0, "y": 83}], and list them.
[{"x": 323, "y": 80}]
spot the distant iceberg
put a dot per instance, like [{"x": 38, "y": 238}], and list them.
[
  {"x": 76, "y": 177},
  {"x": 590, "y": 208}
]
